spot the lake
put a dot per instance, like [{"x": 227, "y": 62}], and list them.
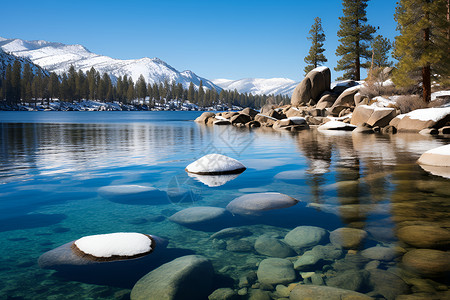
[{"x": 52, "y": 165}]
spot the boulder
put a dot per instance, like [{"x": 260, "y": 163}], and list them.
[
  {"x": 346, "y": 99},
  {"x": 427, "y": 262},
  {"x": 348, "y": 238},
  {"x": 221, "y": 122},
  {"x": 239, "y": 245},
  {"x": 187, "y": 277},
  {"x": 312, "y": 86},
  {"x": 249, "y": 111},
  {"x": 425, "y": 236},
  {"x": 363, "y": 128},
  {"x": 337, "y": 125},
  {"x": 215, "y": 164},
  {"x": 276, "y": 114},
  {"x": 204, "y": 117},
  {"x": 340, "y": 86},
  {"x": 389, "y": 130},
  {"x": 232, "y": 232},
  {"x": 326, "y": 100},
  {"x": 387, "y": 284},
  {"x": 301, "y": 292},
  {"x": 213, "y": 180},
  {"x": 133, "y": 194},
  {"x": 199, "y": 215},
  {"x": 374, "y": 116},
  {"x": 444, "y": 130},
  {"x": 420, "y": 119},
  {"x": 289, "y": 123},
  {"x": 266, "y": 108},
  {"x": 317, "y": 256},
  {"x": 353, "y": 280},
  {"x": 271, "y": 246},
  {"x": 263, "y": 119},
  {"x": 240, "y": 119},
  {"x": 275, "y": 271},
  {"x": 294, "y": 112},
  {"x": 439, "y": 156},
  {"x": 224, "y": 294},
  {"x": 255, "y": 204},
  {"x": 381, "y": 253},
  {"x": 303, "y": 238},
  {"x": 229, "y": 114}
]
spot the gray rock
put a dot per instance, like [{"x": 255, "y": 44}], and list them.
[
  {"x": 327, "y": 252},
  {"x": 304, "y": 237},
  {"x": 380, "y": 253},
  {"x": 350, "y": 280},
  {"x": 348, "y": 238},
  {"x": 223, "y": 294},
  {"x": 232, "y": 232},
  {"x": 198, "y": 215},
  {"x": 271, "y": 246},
  {"x": 187, "y": 277},
  {"x": 276, "y": 271},
  {"x": 317, "y": 279},
  {"x": 387, "y": 284},
  {"x": 133, "y": 194},
  {"x": 239, "y": 246},
  {"x": 255, "y": 204},
  {"x": 259, "y": 295},
  {"x": 301, "y": 292},
  {"x": 306, "y": 262}
]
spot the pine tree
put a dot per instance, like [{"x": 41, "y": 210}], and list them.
[
  {"x": 27, "y": 77},
  {"x": 380, "y": 52},
  {"x": 423, "y": 46},
  {"x": 7, "y": 86},
  {"x": 354, "y": 36},
  {"x": 315, "y": 56},
  {"x": 191, "y": 92},
  {"x": 201, "y": 94},
  {"x": 141, "y": 88},
  {"x": 15, "y": 81}
]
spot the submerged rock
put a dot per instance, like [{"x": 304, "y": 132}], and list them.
[
  {"x": 353, "y": 280},
  {"x": 271, "y": 246},
  {"x": 387, "y": 284},
  {"x": 304, "y": 237},
  {"x": 232, "y": 232},
  {"x": 224, "y": 294},
  {"x": 301, "y": 292},
  {"x": 215, "y": 164},
  {"x": 133, "y": 194},
  {"x": 427, "y": 262},
  {"x": 425, "y": 236},
  {"x": 381, "y": 253},
  {"x": 275, "y": 271},
  {"x": 199, "y": 215},
  {"x": 348, "y": 238},
  {"x": 187, "y": 277},
  {"x": 255, "y": 204}
]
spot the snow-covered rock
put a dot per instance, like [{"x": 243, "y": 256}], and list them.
[
  {"x": 419, "y": 119},
  {"x": 336, "y": 125},
  {"x": 57, "y": 57},
  {"x": 439, "y": 156},
  {"x": 125, "y": 244},
  {"x": 374, "y": 116},
  {"x": 215, "y": 164}
]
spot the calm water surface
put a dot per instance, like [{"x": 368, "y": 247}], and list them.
[{"x": 53, "y": 163}]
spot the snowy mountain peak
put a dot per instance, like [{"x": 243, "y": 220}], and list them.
[
  {"x": 259, "y": 86},
  {"x": 59, "y": 57}
]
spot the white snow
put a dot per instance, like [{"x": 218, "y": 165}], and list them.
[
  {"x": 443, "y": 150},
  {"x": 221, "y": 118},
  {"x": 440, "y": 93},
  {"x": 272, "y": 118},
  {"x": 335, "y": 125},
  {"x": 115, "y": 244},
  {"x": 214, "y": 163},
  {"x": 259, "y": 86},
  {"x": 320, "y": 69},
  {"x": 376, "y": 108},
  {"x": 427, "y": 114},
  {"x": 58, "y": 58},
  {"x": 382, "y": 102},
  {"x": 297, "y": 120}
]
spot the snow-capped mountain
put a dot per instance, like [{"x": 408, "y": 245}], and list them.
[
  {"x": 9, "y": 59},
  {"x": 259, "y": 86},
  {"x": 57, "y": 57}
]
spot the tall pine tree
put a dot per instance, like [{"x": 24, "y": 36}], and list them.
[
  {"x": 422, "y": 48},
  {"x": 315, "y": 56},
  {"x": 354, "y": 37}
]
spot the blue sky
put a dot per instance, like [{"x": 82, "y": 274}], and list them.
[{"x": 215, "y": 39}]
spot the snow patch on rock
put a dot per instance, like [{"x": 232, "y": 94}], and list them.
[{"x": 215, "y": 164}]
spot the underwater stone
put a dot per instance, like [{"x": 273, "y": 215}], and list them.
[
  {"x": 255, "y": 204},
  {"x": 305, "y": 237},
  {"x": 301, "y": 292},
  {"x": 232, "y": 232},
  {"x": 270, "y": 246},
  {"x": 185, "y": 278},
  {"x": 198, "y": 215},
  {"x": 275, "y": 271},
  {"x": 348, "y": 238}
]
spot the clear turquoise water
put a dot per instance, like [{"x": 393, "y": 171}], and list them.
[{"x": 52, "y": 164}]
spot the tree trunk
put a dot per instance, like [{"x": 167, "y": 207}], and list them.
[{"x": 426, "y": 72}]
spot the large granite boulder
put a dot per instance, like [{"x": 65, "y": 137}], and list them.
[
  {"x": 203, "y": 119},
  {"x": 374, "y": 116},
  {"x": 337, "y": 125},
  {"x": 276, "y": 271},
  {"x": 240, "y": 119},
  {"x": 312, "y": 86},
  {"x": 270, "y": 246},
  {"x": 345, "y": 100},
  {"x": 185, "y": 278},
  {"x": 420, "y": 119},
  {"x": 326, "y": 100},
  {"x": 255, "y": 204},
  {"x": 381, "y": 253},
  {"x": 425, "y": 236},
  {"x": 439, "y": 157},
  {"x": 387, "y": 284},
  {"x": 301, "y": 292},
  {"x": 249, "y": 111},
  {"x": 303, "y": 238},
  {"x": 427, "y": 262}
]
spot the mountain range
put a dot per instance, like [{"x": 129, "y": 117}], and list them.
[{"x": 58, "y": 57}]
